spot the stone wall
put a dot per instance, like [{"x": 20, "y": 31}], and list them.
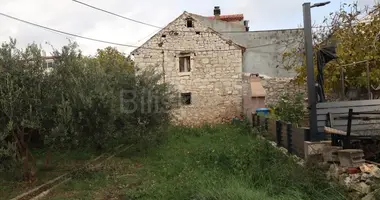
[
  {"x": 215, "y": 79},
  {"x": 275, "y": 87}
]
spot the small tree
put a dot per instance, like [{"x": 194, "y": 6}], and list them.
[
  {"x": 356, "y": 33},
  {"x": 77, "y": 104}
]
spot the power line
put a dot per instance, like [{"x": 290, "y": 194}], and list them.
[
  {"x": 111, "y": 13},
  {"x": 147, "y": 36},
  {"x": 62, "y": 32},
  {"x": 140, "y": 22},
  {"x": 119, "y": 44},
  {"x": 155, "y": 26},
  {"x": 136, "y": 21}
]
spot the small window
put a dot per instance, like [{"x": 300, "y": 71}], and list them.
[
  {"x": 49, "y": 64},
  {"x": 164, "y": 36},
  {"x": 186, "y": 98},
  {"x": 184, "y": 64},
  {"x": 189, "y": 23},
  {"x": 198, "y": 32}
]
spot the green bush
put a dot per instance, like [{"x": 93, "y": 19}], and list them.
[
  {"x": 80, "y": 103},
  {"x": 290, "y": 108}
]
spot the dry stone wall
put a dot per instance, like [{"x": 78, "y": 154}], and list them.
[{"x": 215, "y": 79}]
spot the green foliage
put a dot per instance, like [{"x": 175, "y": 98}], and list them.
[
  {"x": 111, "y": 58},
  {"x": 356, "y": 33},
  {"x": 79, "y": 103},
  {"x": 290, "y": 108},
  {"x": 224, "y": 162}
]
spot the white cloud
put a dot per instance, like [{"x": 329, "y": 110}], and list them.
[{"x": 72, "y": 17}]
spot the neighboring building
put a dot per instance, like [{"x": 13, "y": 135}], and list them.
[
  {"x": 48, "y": 62},
  {"x": 205, "y": 61}
]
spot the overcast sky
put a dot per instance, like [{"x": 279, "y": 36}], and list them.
[{"x": 72, "y": 17}]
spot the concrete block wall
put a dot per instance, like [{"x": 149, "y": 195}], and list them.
[{"x": 268, "y": 59}]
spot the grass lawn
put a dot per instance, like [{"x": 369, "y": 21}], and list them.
[{"x": 222, "y": 162}]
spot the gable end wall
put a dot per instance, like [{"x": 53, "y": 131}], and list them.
[{"x": 215, "y": 80}]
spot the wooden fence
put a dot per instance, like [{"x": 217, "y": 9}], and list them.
[{"x": 284, "y": 134}]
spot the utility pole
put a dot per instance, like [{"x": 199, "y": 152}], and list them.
[
  {"x": 368, "y": 82},
  {"x": 312, "y": 95}
]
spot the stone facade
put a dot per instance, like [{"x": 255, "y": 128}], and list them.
[
  {"x": 215, "y": 76},
  {"x": 275, "y": 87}
]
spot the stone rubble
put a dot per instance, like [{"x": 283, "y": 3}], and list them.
[{"x": 364, "y": 185}]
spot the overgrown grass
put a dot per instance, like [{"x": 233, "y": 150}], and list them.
[
  {"x": 225, "y": 162},
  {"x": 12, "y": 184},
  {"x": 209, "y": 163}
]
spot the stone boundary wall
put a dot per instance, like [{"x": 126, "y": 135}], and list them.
[{"x": 275, "y": 87}]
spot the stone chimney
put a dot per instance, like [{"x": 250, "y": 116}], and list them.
[
  {"x": 246, "y": 25},
  {"x": 217, "y": 12},
  {"x": 43, "y": 53}
]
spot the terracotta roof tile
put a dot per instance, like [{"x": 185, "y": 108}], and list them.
[{"x": 229, "y": 18}]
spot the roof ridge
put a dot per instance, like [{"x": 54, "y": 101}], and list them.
[{"x": 229, "y": 15}]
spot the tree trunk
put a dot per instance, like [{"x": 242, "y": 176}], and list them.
[
  {"x": 29, "y": 172},
  {"x": 47, "y": 159}
]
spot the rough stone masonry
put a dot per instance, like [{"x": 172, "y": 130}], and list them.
[{"x": 213, "y": 81}]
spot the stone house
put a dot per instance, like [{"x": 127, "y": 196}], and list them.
[{"x": 204, "y": 58}]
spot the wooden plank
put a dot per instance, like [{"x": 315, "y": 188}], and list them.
[
  {"x": 344, "y": 122},
  {"x": 358, "y": 127},
  {"x": 369, "y": 134},
  {"x": 272, "y": 129},
  {"x": 320, "y": 129},
  {"x": 341, "y": 104},
  {"x": 322, "y": 117},
  {"x": 262, "y": 121},
  {"x": 284, "y": 136},
  {"x": 298, "y": 138},
  {"x": 344, "y": 110},
  {"x": 330, "y": 130}
]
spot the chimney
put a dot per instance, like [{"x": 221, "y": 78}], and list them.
[
  {"x": 217, "y": 12},
  {"x": 246, "y": 25},
  {"x": 43, "y": 53}
]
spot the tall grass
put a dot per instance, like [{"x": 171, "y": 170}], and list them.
[{"x": 225, "y": 162}]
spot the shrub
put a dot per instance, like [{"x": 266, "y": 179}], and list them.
[
  {"x": 80, "y": 103},
  {"x": 290, "y": 108}
]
